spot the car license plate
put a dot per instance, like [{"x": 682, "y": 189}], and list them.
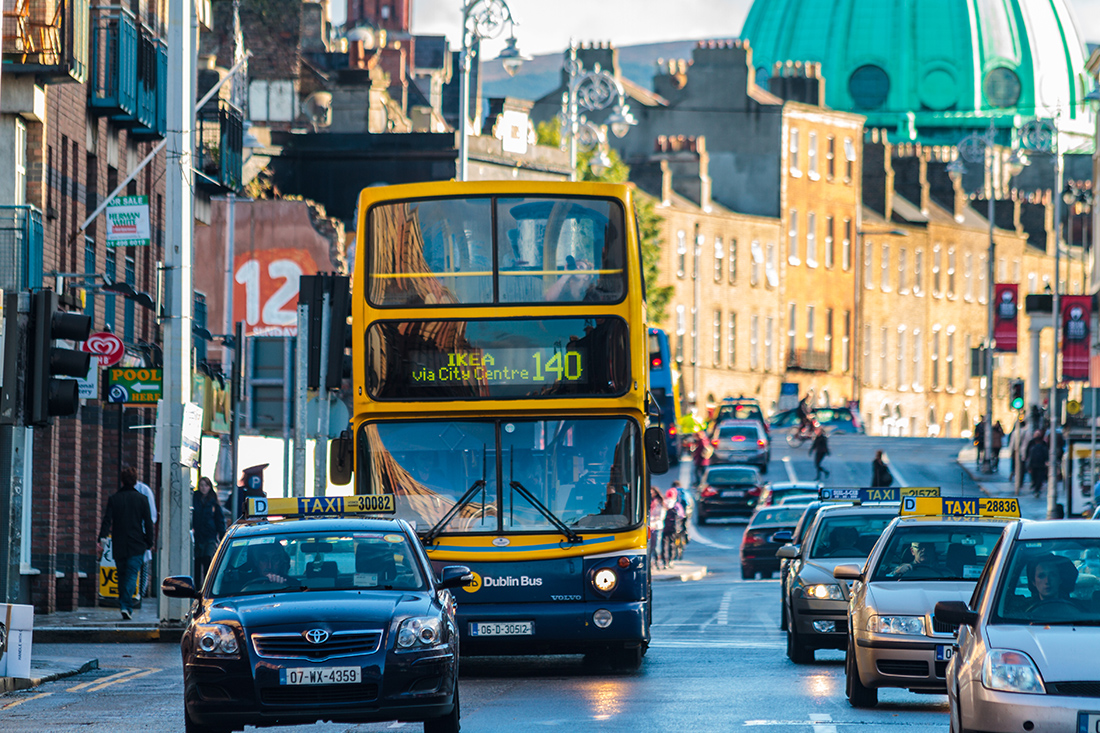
[
  {"x": 319, "y": 676},
  {"x": 1088, "y": 722},
  {"x": 944, "y": 652},
  {"x": 732, "y": 493},
  {"x": 503, "y": 628}
]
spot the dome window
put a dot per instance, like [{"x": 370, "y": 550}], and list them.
[
  {"x": 1002, "y": 87},
  {"x": 869, "y": 86}
]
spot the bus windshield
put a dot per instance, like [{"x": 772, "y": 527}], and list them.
[
  {"x": 486, "y": 251},
  {"x": 508, "y": 475}
]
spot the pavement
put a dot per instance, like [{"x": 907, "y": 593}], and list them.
[{"x": 1002, "y": 484}]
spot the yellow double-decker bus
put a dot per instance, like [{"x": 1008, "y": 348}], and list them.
[{"x": 501, "y": 396}]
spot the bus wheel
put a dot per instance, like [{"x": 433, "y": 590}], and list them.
[{"x": 628, "y": 659}]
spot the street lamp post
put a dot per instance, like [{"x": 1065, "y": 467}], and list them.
[
  {"x": 591, "y": 90},
  {"x": 481, "y": 20}
]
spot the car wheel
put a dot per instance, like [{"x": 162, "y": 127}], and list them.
[
  {"x": 797, "y": 650},
  {"x": 858, "y": 695},
  {"x": 782, "y": 614},
  {"x": 628, "y": 659},
  {"x": 448, "y": 723},
  {"x": 747, "y": 572}
]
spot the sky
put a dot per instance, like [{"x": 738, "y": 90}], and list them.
[{"x": 547, "y": 26}]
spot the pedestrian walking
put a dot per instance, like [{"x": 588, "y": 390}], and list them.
[
  {"x": 819, "y": 449},
  {"x": 129, "y": 524},
  {"x": 208, "y": 524},
  {"x": 147, "y": 560},
  {"x": 700, "y": 455},
  {"x": 880, "y": 472},
  {"x": 995, "y": 446},
  {"x": 1038, "y": 455},
  {"x": 979, "y": 441},
  {"x": 656, "y": 524},
  {"x": 674, "y": 518}
]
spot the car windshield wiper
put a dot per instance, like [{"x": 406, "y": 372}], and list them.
[
  {"x": 561, "y": 526},
  {"x": 1060, "y": 622},
  {"x": 471, "y": 492}
]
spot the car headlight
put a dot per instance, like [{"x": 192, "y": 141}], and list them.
[
  {"x": 605, "y": 580},
  {"x": 1011, "y": 671},
  {"x": 913, "y": 625},
  {"x": 419, "y": 631},
  {"x": 825, "y": 592},
  {"x": 216, "y": 640}
]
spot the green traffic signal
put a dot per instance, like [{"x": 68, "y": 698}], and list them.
[{"x": 1017, "y": 403}]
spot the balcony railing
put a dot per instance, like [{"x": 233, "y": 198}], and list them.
[
  {"x": 46, "y": 38},
  {"x": 114, "y": 61},
  {"x": 152, "y": 88},
  {"x": 809, "y": 360},
  {"x": 20, "y": 247},
  {"x": 219, "y": 138}
]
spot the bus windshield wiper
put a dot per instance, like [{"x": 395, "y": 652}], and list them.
[
  {"x": 471, "y": 492},
  {"x": 561, "y": 526}
]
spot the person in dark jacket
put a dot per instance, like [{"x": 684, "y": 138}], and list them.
[
  {"x": 1038, "y": 454},
  {"x": 819, "y": 449},
  {"x": 880, "y": 472},
  {"x": 129, "y": 524},
  {"x": 208, "y": 523}
]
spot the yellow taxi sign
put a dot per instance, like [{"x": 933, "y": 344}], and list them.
[
  {"x": 864, "y": 495},
  {"x": 960, "y": 506},
  {"x": 320, "y": 506}
]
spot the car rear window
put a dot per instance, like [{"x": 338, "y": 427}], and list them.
[
  {"x": 744, "y": 432},
  {"x": 778, "y": 516},
  {"x": 731, "y": 476}
]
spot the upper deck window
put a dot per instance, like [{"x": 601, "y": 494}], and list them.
[{"x": 489, "y": 251}]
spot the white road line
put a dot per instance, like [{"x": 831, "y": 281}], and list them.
[
  {"x": 22, "y": 700},
  {"x": 724, "y": 609},
  {"x": 696, "y": 537},
  {"x": 789, "y": 467},
  {"x": 893, "y": 469},
  {"x": 818, "y": 720}
]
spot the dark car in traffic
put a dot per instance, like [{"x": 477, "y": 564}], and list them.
[
  {"x": 728, "y": 491},
  {"x": 739, "y": 408},
  {"x": 320, "y": 619},
  {"x": 832, "y": 419},
  {"x": 741, "y": 441},
  {"x": 775, "y": 493},
  {"x": 759, "y": 543}
]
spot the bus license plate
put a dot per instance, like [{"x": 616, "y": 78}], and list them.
[
  {"x": 944, "y": 652},
  {"x": 508, "y": 628},
  {"x": 1088, "y": 722},
  {"x": 319, "y": 676}
]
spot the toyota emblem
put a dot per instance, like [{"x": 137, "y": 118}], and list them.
[{"x": 316, "y": 636}]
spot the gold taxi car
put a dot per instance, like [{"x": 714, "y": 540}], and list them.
[
  {"x": 935, "y": 550},
  {"x": 1026, "y": 656}
]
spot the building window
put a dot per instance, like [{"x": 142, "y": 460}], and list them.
[
  {"x": 731, "y": 341},
  {"x": 792, "y": 239},
  {"x": 846, "y": 343},
  {"x": 811, "y": 239},
  {"x": 89, "y": 267},
  {"x": 754, "y": 343},
  {"x": 733, "y": 261},
  {"x": 868, "y": 266},
  {"x": 968, "y": 276},
  {"x": 719, "y": 254},
  {"x": 849, "y": 159},
  {"x": 128, "y": 304},
  {"x": 937, "y": 261},
  {"x": 1002, "y": 269},
  {"x": 867, "y": 353},
  {"x": 795, "y": 171},
  {"x": 967, "y": 366},
  {"x": 1032, "y": 282},
  {"x": 951, "y": 273},
  {"x": 694, "y": 335},
  {"x": 950, "y": 358},
  {"x": 809, "y": 328},
  {"x": 846, "y": 246},
  {"x": 918, "y": 272},
  {"x": 199, "y": 318},
  {"x": 883, "y": 355},
  {"x": 830, "y": 157},
  {"x": 936, "y": 357},
  {"x": 901, "y": 357},
  {"x": 792, "y": 316},
  {"x": 757, "y": 263},
  {"x": 903, "y": 262},
  {"x": 829, "y": 335},
  {"x": 681, "y": 253},
  {"x": 1015, "y": 271},
  {"x": 982, "y": 279},
  {"x": 811, "y": 152},
  {"x": 20, "y": 154},
  {"x": 918, "y": 363},
  {"x": 885, "y": 265},
  {"x": 769, "y": 344},
  {"x": 110, "y": 269},
  {"x": 771, "y": 269},
  {"x": 717, "y": 346},
  {"x": 681, "y": 329},
  {"x": 830, "y": 233}
]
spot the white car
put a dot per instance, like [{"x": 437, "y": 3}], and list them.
[{"x": 1029, "y": 639}]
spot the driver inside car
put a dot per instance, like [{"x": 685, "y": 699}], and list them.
[
  {"x": 268, "y": 562},
  {"x": 1051, "y": 579},
  {"x": 923, "y": 556}
]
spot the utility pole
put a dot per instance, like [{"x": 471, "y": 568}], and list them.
[{"x": 175, "y": 525}]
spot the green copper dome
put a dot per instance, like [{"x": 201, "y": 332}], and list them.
[{"x": 932, "y": 69}]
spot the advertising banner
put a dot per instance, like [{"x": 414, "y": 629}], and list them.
[
  {"x": 128, "y": 222},
  {"x": 1076, "y": 325},
  {"x": 1006, "y": 299}
]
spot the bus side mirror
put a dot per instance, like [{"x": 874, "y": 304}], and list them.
[
  {"x": 340, "y": 462},
  {"x": 656, "y": 450}
]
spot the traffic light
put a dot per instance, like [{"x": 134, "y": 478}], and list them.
[
  {"x": 1017, "y": 394},
  {"x": 48, "y": 396}
]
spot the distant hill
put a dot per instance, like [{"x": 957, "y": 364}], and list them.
[{"x": 542, "y": 74}]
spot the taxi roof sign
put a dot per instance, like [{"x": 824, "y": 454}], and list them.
[
  {"x": 863, "y": 495},
  {"x": 960, "y": 506},
  {"x": 322, "y": 506}
]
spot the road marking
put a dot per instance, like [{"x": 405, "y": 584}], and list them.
[
  {"x": 28, "y": 698},
  {"x": 124, "y": 679},
  {"x": 117, "y": 675},
  {"x": 819, "y": 719},
  {"x": 789, "y": 467},
  {"x": 893, "y": 469},
  {"x": 724, "y": 609},
  {"x": 696, "y": 537},
  {"x": 715, "y": 644}
]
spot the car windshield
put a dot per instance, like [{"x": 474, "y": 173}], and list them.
[
  {"x": 851, "y": 535},
  {"x": 731, "y": 476},
  {"x": 580, "y": 473},
  {"x": 307, "y": 561},
  {"x": 797, "y": 498},
  {"x": 937, "y": 552},
  {"x": 738, "y": 434},
  {"x": 1052, "y": 581},
  {"x": 777, "y": 516}
]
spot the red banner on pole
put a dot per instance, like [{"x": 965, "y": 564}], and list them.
[
  {"x": 1076, "y": 326},
  {"x": 1006, "y": 302}
]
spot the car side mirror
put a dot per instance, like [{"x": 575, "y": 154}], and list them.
[
  {"x": 847, "y": 572},
  {"x": 179, "y": 586},
  {"x": 788, "y": 552},
  {"x": 456, "y": 576},
  {"x": 340, "y": 461},
  {"x": 955, "y": 613},
  {"x": 656, "y": 450},
  {"x": 782, "y": 537}
]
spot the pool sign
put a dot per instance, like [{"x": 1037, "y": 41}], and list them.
[
  {"x": 128, "y": 221},
  {"x": 134, "y": 386}
]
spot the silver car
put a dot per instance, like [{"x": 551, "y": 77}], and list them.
[
  {"x": 893, "y": 639},
  {"x": 1029, "y": 640}
]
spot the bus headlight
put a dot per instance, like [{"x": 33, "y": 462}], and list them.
[{"x": 605, "y": 580}]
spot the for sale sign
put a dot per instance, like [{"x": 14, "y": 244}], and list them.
[{"x": 128, "y": 222}]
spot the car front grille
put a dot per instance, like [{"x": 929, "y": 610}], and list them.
[
  {"x": 305, "y": 695},
  {"x": 903, "y": 667},
  {"x": 295, "y": 646},
  {"x": 1074, "y": 689}
]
